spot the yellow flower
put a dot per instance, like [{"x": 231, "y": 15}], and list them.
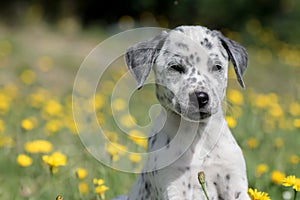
[
  {"x": 278, "y": 142},
  {"x": 112, "y": 136},
  {"x": 118, "y": 104},
  {"x": 99, "y": 101},
  {"x": 38, "y": 146},
  {"x": 252, "y": 142},
  {"x": 262, "y": 101},
  {"x": 24, "y": 160},
  {"x": 277, "y": 177},
  {"x": 235, "y": 96},
  {"x": 6, "y": 141},
  {"x": 55, "y": 160},
  {"x": 100, "y": 118},
  {"x": 296, "y": 123},
  {"x": 53, "y": 125},
  {"x": 29, "y": 123},
  {"x": 135, "y": 158},
  {"x": 139, "y": 138},
  {"x": 231, "y": 121},
  {"x": 98, "y": 181},
  {"x": 81, "y": 173},
  {"x": 2, "y": 126},
  {"x": 256, "y": 195},
  {"x": 289, "y": 181},
  {"x": 5, "y": 102},
  {"x": 275, "y": 110},
  {"x": 292, "y": 181},
  {"x": 296, "y": 186},
  {"x": 115, "y": 150},
  {"x": 294, "y": 159},
  {"x": 52, "y": 108},
  {"x": 294, "y": 109},
  {"x": 83, "y": 187},
  {"x": 101, "y": 189},
  {"x": 28, "y": 77},
  {"x": 59, "y": 197},
  {"x": 261, "y": 169},
  {"x": 37, "y": 98},
  {"x": 128, "y": 121}
]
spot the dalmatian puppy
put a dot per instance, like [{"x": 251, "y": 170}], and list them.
[{"x": 190, "y": 135}]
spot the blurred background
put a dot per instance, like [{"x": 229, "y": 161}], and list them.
[
  {"x": 278, "y": 15},
  {"x": 43, "y": 43}
]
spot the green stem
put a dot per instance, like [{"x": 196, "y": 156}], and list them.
[
  {"x": 204, "y": 190},
  {"x": 295, "y": 194},
  {"x": 201, "y": 179}
]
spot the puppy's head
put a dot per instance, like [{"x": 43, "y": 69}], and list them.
[{"x": 190, "y": 65}]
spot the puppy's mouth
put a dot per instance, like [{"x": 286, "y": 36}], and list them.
[
  {"x": 192, "y": 113},
  {"x": 198, "y": 115}
]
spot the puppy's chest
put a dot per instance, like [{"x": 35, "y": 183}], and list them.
[
  {"x": 180, "y": 179},
  {"x": 179, "y": 182}
]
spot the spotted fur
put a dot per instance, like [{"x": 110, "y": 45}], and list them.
[{"x": 190, "y": 65}]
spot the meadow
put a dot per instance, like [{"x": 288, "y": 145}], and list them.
[{"x": 42, "y": 156}]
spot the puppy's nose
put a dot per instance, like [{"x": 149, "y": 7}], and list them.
[{"x": 199, "y": 99}]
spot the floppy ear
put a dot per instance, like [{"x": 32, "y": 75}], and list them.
[
  {"x": 237, "y": 55},
  {"x": 141, "y": 57}
]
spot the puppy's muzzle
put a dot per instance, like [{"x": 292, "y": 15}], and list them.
[{"x": 199, "y": 99}]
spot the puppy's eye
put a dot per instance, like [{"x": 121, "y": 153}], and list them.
[
  {"x": 217, "y": 67},
  {"x": 178, "y": 68}
]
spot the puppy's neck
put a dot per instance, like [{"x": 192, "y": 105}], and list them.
[{"x": 171, "y": 123}]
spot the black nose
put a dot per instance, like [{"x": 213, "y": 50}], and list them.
[{"x": 199, "y": 99}]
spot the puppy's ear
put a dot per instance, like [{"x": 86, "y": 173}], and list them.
[
  {"x": 237, "y": 55},
  {"x": 141, "y": 57}
]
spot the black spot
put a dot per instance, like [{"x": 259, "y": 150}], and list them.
[
  {"x": 227, "y": 177},
  {"x": 197, "y": 59},
  {"x": 194, "y": 80},
  {"x": 214, "y": 55},
  {"x": 189, "y": 185},
  {"x": 182, "y": 46},
  {"x": 206, "y": 43},
  {"x": 187, "y": 168},
  {"x": 220, "y": 197},
  {"x": 237, "y": 195},
  {"x": 147, "y": 189},
  {"x": 152, "y": 140},
  {"x": 168, "y": 142},
  {"x": 215, "y": 184},
  {"x": 192, "y": 57}
]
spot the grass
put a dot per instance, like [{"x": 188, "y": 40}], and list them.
[{"x": 38, "y": 64}]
